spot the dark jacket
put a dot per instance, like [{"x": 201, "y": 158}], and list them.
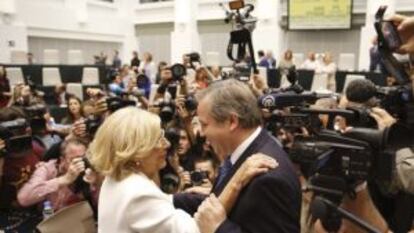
[{"x": 269, "y": 203}]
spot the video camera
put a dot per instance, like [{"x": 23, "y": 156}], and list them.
[
  {"x": 241, "y": 36},
  {"x": 17, "y": 141}
]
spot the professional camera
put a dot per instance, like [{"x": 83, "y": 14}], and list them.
[
  {"x": 35, "y": 114},
  {"x": 115, "y": 103},
  {"x": 198, "y": 177},
  {"x": 398, "y": 101},
  {"x": 178, "y": 71},
  {"x": 17, "y": 141},
  {"x": 167, "y": 110},
  {"x": 194, "y": 57},
  {"x": 92, "y": 124},
  {"x": 173, "y": 136},
  {"x": 190, "y": 103},
  {"x": 241, "y": 36}
]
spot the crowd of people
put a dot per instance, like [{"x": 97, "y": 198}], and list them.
[{"x": 155, "y": 151}]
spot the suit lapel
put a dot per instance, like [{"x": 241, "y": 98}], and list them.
[{"x": 251, "y": 149}]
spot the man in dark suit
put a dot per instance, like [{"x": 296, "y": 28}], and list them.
[{"x": 230, "y": 120}]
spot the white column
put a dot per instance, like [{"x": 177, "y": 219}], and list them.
[
  {"x": 268, "y": 34},
  {"x": 185, "y": 37},
  {"x": 368, "y": 31},
  {"x": 130, "y": 40}
]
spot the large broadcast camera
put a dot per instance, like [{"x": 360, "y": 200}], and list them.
[
  {"x": 241, "y": 36},
  {"x": 18, "y": 142},
  {"x": 334, "y": 163}
]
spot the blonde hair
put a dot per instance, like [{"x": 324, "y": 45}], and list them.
[{"x": 124, "y": 137}]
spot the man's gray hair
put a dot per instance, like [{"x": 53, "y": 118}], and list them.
[{"x": 232, "y": 97}]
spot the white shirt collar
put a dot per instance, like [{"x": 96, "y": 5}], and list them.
[{"x": 243, "y": 146}]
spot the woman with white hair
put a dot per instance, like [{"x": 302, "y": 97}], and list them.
[{"x": 129, "y": 149}]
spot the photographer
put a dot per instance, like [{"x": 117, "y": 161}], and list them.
[
  {"x": 204, "y": 175},
  {"x": 54, "y": 180},
  {"x": 18, "y": 157}
]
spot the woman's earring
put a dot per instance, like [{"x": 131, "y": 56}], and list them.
[{"x": 138, "y": 163}]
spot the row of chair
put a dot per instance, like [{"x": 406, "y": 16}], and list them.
[{"x": 51, "y": 76}]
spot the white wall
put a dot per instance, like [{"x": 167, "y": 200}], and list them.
[
  {"x": 11, "y": 38},
  {"x": 90, "y": 48},
  {"x": 119, "y": 23},
  {"x": 81, "y": 20}
]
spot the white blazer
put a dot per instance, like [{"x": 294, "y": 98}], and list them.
[{"x": 136, "y": 204}]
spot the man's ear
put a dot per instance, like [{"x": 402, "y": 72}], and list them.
[{"x": 234, "y": 122}]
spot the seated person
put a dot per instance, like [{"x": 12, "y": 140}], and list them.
[
  {"x": 74, "y": 110},
  {"x": 55, "y": 180},
  {"x": 115, "y": 86},
  {"x": 129, "y": 149}
]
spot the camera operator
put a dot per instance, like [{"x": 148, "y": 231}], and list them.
[
  {"x": 19, "y": 155},
  {"x": 363, "y": 207}
]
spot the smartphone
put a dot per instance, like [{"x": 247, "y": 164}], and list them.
[{"x": 391, "y": 36}]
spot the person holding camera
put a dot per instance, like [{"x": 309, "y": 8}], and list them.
[
  {"x": 405, "y": 27},
  {"x": 19, "y": 154},
  {"x": 129, "y": 149},
  {"x": 231, "y": 121},
  {"x": 54, "y": 180},
  {"x": 203, "y": 176}
]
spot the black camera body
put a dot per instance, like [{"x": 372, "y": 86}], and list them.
[
  {"x": 190, "y": 103},
  {"x": 178, "y": 71},
  {"x": 17, "y": 141},
  {"x": 398, "y": 101},
  {"x": 167, "y": 110},
  {"x": 332, "y": 154},
  {"x": 92, "y": 124},
  {"x": 197, "y": 177},
  {"x": 35, "y": 114},
  {"x": 194, "y": 57},
  {"x": 115, "y": 103}
]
